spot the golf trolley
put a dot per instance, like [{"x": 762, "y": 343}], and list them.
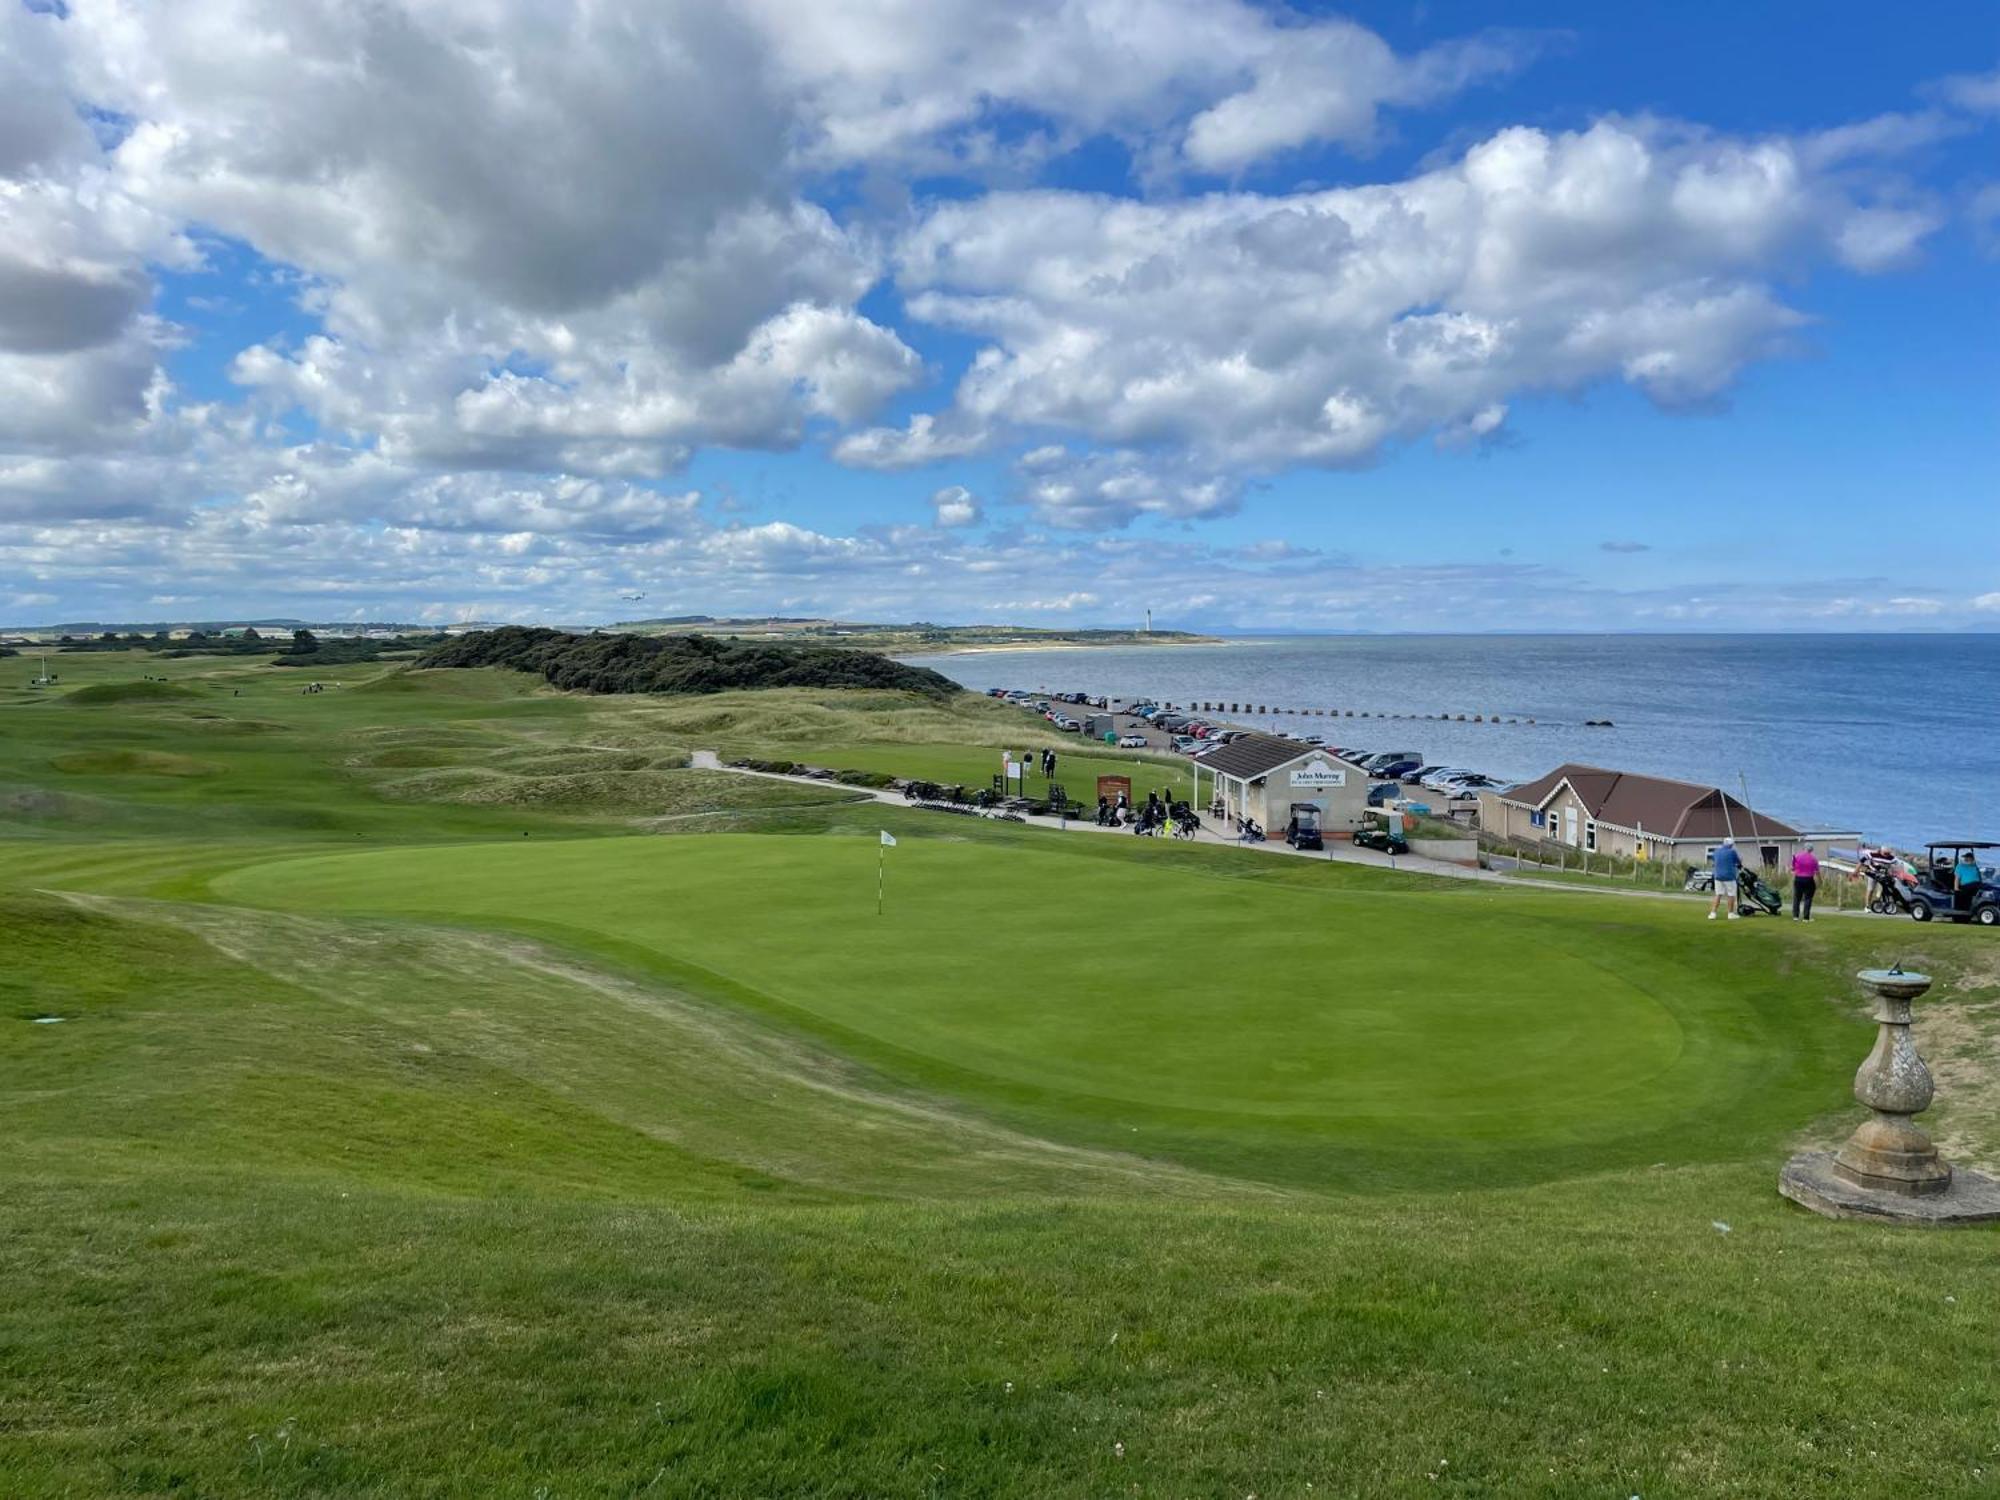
[{"x": 1755, "y": 896}]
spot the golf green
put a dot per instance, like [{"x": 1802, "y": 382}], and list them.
[{"x": 1107, "y": 992}]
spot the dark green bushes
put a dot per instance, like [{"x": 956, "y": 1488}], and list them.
[
  {"x": 678, "y": 664},
  {"x": 877, "y": 779}
]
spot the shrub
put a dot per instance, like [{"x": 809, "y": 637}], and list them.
[
  {"x": 877, "y": 779},
  {"x": 678, "y": 664}
]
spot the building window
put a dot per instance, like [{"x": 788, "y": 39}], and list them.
[{"x": 1590, "y": 836}]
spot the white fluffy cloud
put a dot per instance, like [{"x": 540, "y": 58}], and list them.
[
  {"x": 955, "y": 506},
  {"x": 543, "y": 256},
  {"x": 1259, "y": 330},
  {"x": 1214, "y": 85}
]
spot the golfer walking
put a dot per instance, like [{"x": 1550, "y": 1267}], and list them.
[
  {"x": 1728, "y": 865},
  {"x": 1805, "y": 881}
]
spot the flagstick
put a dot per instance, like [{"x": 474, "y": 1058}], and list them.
[{"x": 880, "y": 858}]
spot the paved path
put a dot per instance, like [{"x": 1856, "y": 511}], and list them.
[{"x": 1336, "y": 852}]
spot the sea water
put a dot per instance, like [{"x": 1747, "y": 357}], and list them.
[{"x": 1896, "y": 737}]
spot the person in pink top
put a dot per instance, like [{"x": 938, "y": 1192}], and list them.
[{"x": 1805, "y": 881}]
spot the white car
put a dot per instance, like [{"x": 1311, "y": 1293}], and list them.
[{"x": 1131, "y": 742}]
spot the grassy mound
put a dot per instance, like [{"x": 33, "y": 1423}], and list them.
[
  {"x": 572, "y": 762},
  {"x": 100, "y": 693},
  {"x": 408, "y": 757},
  {"x": 435, "y": 736},
  {"x": 223, "y": 724},
  {"x": 413, "y": 682},
  {"x": 132, "y": 763},
  {"x": 636, "y": 793}
]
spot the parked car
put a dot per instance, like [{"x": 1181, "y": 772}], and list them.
[
  {"x": 1395, "y": 769},
  {"x": 1381, "y": 796},
  {"x": 1069, "y": 726},
  {"x": 1131, "y": 742},
  {"x": 1185, "y": 742},
  {"x": 1316, "y": 740}
]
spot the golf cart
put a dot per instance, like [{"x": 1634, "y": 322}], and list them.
[
  {"x": 1302, "y": 832},
  {"x": 1383, "y": 839},
  {"x": 1936, "y": 893}
]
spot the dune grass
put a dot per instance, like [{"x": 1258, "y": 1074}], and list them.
[{"x": 384, "y": 1152}]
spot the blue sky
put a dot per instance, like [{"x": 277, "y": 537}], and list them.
[{"x": 1379, "y": 317}]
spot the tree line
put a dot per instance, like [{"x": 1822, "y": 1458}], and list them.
[
  {"x": 296, "y": 648},
  {"x": 609, "y": 663}
]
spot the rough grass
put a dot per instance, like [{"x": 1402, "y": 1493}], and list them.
[
  {"x": 649, "y": 793},
  {"x": 111, "y": 693},
  {"x": 133, "y": 763}
]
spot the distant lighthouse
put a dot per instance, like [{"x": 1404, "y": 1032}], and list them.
[{"x": 1149, "y": 622}]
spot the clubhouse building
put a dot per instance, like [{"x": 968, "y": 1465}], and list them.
[
  {"x": 1646, "y": 817},
  {"x": 1266, "y": 778}
]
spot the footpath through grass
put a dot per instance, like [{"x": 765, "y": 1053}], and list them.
[{"x": 355, "y": 1144}]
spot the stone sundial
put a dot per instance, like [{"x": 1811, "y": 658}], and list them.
[{"x": 1889, "y": 1169}]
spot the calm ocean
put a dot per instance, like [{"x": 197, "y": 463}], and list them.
[{"x": 1897, "y": 736}]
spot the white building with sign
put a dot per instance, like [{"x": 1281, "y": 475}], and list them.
[{"x": 1267, "y": 779}]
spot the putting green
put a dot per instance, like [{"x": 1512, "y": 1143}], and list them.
[{"x": 1122, "y": 990}]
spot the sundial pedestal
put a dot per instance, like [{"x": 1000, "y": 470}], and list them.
[{"x": 1889, "y": 1169}]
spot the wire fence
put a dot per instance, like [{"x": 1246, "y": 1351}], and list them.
[{"x": 1552, "y": 857}]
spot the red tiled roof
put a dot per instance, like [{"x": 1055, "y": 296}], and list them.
[{"x": 1671, "y": 809}]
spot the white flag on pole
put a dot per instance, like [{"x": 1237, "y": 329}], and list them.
[{"x": 888, "y": 839}]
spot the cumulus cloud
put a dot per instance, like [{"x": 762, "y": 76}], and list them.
[
  {"x": 940, "y": 84},
  {"x": 955, "y": 506},
  {"x": 1099, "y": 490},
  {"x": 1264, "y": 330},
  {"x": 543, "y": 256}
]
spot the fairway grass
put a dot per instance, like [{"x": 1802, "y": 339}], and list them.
[{"x": 359, "y": 1141}]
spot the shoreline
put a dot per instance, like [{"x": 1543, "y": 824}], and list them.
[{"x": 986, "y": 648}]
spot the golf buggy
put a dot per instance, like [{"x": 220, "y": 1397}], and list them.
[
  {"x": 1938, "y": 894},
  {"x": 1303, "y": 832},
  {"x": 1382, "y": 839}
]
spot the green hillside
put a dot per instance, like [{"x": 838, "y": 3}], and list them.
[{"x": 432, "y": 1086}]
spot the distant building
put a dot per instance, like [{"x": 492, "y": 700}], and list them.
[
  {"x": 1265, "y": 778},
  {"x": 1651, "y": 817}
]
